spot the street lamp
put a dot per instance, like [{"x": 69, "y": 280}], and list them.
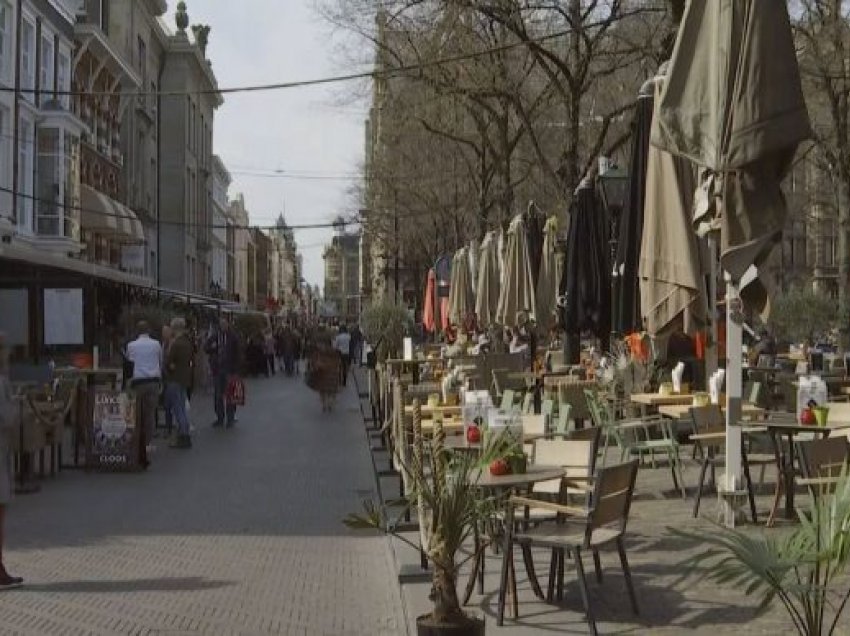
[{"x": 614, "y": 187}]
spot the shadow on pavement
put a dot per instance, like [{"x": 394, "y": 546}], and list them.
[{"x": 188, "y": 584}]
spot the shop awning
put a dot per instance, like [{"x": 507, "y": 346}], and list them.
[{"x": 103, "y": 215}]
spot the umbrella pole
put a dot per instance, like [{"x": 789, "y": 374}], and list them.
[
  {"x": 733, "y": 485},
  {"x": 711, "y": 362}
]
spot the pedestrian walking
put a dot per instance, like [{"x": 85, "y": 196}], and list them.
[
  {"x": 8, "y": 424},
  {"x": 323, "y": 371},
  {"x": 165, "y": 342},
  {"x": 268, "y": 352},
  {"x": 145, "y": 354},
  {"x": 222, "y": 347},
  {"x": 342, "y": 343},
  {"x": 357, "y": 346},
  {"x": 178, "y": 378}
]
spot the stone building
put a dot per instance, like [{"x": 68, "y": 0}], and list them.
[
  {"x": 342, "y": 292},
  {"x": 219, "y": 249},
  {"x": 185, "y": 200}
]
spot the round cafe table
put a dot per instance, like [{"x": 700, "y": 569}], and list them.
[{"x": 506, "y": 484}]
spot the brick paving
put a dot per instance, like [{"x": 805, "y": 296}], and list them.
[{"x": 240, "y": 535}]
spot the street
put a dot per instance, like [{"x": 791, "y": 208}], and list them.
[{"x": 240, "y": 535}]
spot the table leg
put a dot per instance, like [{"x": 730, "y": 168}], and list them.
[{"x": 789, "y": 478}]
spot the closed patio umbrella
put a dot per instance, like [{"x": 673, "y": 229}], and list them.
[
  {"x": 429, "y": 318},
  {"x": 734, "y": 106},
  {"x": 517, "y": 291},
  {"x": 461, "y": 301},
  {"x": 670, "y": 269},
  {"x": 550, "y": 274},
  {"x": 585, "y": 284},
  {"x": 488, "y": 280},
  {"x": 628, "y": 313}
]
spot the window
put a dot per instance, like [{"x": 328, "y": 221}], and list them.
[
  {"x": 104, "y": 16},
  {"x": 25, "y": 175},
  {"x": 50, "y": 182},
  {"x": 6, "y": 52},
  {"x": 46, "y": 76},
  {"x": 27, "y": 58},
  {"x": 63, "y": 77}
]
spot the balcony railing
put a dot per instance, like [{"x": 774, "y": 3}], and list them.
[{"x": 101, "y": 173}]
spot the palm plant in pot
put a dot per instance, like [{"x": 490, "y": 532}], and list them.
[
  {"x": 443, "y": 490},
  {"x": 805, "y": 570}
]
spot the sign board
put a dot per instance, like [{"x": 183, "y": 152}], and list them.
[
  {"x": 112, "y": 441},
  {"x": 63, "y": 317},
  {"x": 408, "y": 349}
]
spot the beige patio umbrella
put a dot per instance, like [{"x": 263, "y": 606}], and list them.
[
  {"x": 488, "y": 280},
  {"x": 669, "y": 269},
  {"x": 734, "y": 106},
  {"x": 461, "y": 300},
  {"x": 550, "y": 274},
  {"x": 517, "y": 292}
]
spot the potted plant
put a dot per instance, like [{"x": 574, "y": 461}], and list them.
[
  {"x": 385, "y": 324},
  {"x": 804, "y": 570},
  {"x": 450, "y": 506}
]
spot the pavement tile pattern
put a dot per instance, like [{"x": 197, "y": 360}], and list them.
[{"x": 240, "y": 535}]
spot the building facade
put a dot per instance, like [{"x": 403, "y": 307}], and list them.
[
  {"x": 220, "y": 216},
  {"x": 342, "y": 294},
  {"x": 185, "y": 202},
  {"x": 242, "y": 249},
  {"x": 137, "y": 32}
]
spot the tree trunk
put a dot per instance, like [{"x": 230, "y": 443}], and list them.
[
  {"x": 844, "y": 258},
  {"x": 444, "y": 596}
]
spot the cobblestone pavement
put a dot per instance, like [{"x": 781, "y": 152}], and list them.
[{"x": 240, "y": 535}]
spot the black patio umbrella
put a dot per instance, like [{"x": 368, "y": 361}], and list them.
[
  {"x": 627, "y": 318},
  {"x": 535, "y": 220},
  {"x": 585, "y": 288}
]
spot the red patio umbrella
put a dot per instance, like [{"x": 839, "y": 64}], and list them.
[{"x": 429, "y": 319}]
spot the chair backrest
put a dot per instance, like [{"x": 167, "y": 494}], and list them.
[
  {"x": 612, "y": 497},
  {"x": 708, "y": 419},
  {"x": 507, "y": 403},
  {"x": 562, "y": 424},
  {"x": 754, "y": 395},
  {"x": 528, "y": 403},
  {"x": 823, "y": 458},
  {"x": 592, "y": 434},
  {"x": 576, "y": 457},
  {"x": 595, "y": 405},
  {"x": 547, "y": 407},
  {"x": 533, "y": 425}
]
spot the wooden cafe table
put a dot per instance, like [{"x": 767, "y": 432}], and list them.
[
  {"x": 680, "y": 411},
  {"x": 656, "y": 399},
  {"x": 785, "y": 455}
]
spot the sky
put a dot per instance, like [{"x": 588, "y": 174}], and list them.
[{"x": 312, "y": 131}]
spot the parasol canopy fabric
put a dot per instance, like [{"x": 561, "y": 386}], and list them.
[
  {"x": 429, "y": 318},
  {"x": 628, "y": 317},
  {"x": 734, "y": 106},
  {"x": 461, "y": 301},
  {"x": 550, "y": 274},
  {"x": 671, "y": 272},
  {"x": 488, "y": 281},
  {"x": 585, "y": 285},
  {"x": 517, "y": 291},
  {"x": 535, "y": 222}
]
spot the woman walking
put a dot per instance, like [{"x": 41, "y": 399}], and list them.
[
  {"x": 7, "y": 426},
  {"x": 323, "y": 373}
]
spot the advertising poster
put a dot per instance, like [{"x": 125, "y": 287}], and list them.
[{"x": 113, "y": 440}]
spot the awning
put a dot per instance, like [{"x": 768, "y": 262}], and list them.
[{"x": 103, "y": 215}]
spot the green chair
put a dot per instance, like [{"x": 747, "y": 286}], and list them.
[
  {"x": 528, "y": 403},
  {"x": 508, "y": 399},
  {"x": 632, "y": 436},
  {"x": 561, "y": 425}
]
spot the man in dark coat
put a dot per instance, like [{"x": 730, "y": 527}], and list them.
[
  {"x": 222, "y": 347},
  {"x": 178, "y": 378}
]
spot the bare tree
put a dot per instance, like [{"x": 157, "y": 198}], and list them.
[{"x": 823, "y": 36}]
